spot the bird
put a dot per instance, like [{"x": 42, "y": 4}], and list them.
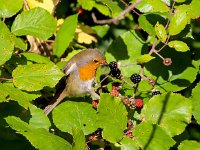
[{"x": 80, "y": 72}]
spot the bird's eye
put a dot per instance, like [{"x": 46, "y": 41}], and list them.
[{"x": 96, "y": 61}]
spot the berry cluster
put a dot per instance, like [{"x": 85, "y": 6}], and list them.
[
  {"x": 114, "y": 70},
  {"x": 135, "y": 78}
]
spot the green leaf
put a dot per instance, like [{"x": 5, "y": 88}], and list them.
[
  {"x": 128, "y": 144},
  {"x": 193, "y": 9},
  {"x": 144, "y": 58},
  {"x": 65, "y": 35},
  {"x": 20, "y": 43},
  {"x": 101, "y": 30},
  {"x": 196, "y": 102},
  {"x": 179, "y": 46},
  {"x": 171, "y": 111},
  {"x": 112, "y": 117},
  {"x": 36, "y": 58},
  {"x": 180, "y": 1},
  {"x": 79, "y": 139},
  {"x": 38, "y": 137},
  {"x": 146, "y": 25},
  {"x": 6, "y": 43},
  {"x": 37, "y": 22},
  {"x": 188, "y": 144},
  {"x": 87, "y": 4},
  {"x": 8, "y": 92},
  {"x": 69, "y": 115},
  {"x": 151, "y": 137},
  {"x": 36, "y": 76},
  {"x": 152, "y": 6},
  {"x": 160, "y": 32},
  {"x": 9, "y": 8},
  {"x": 38, "y": 118},
  {"x": 178, "y": 21},
  {"x": 113, "y": 7}
]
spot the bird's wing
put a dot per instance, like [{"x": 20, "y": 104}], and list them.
[{"x": 69, "y": 67}]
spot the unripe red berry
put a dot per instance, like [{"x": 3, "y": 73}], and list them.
[{"x": 138, "y": 103}]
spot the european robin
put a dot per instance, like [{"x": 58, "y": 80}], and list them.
[{"x": 80, "y": 73}]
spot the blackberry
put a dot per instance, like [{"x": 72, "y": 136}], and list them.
[
  {"x": 155, "y": 93},
  {"x": 116, "y": 73},
  {"x": 113, "y": 65},
  {"x": 135, "y": 78}
]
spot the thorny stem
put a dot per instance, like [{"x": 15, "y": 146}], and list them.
[{"x": 116, "y": 19}]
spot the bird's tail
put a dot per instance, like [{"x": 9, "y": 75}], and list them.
[{"x": 51, "y": 106}]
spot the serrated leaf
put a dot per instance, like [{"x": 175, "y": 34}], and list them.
[
  {"x": 178, "y": 22},
  {"x": 69, "y": 115},
  {"x": 65, "y": 35},
  {"x": 160, "y": 32},
  {"x": 36, "y": 57},
  {"x": 171, "y": 111},
  {"x": 36, "y": 76},
  {"x": 8, "y": 92},
  {"x": 112, "y": 117},
  {"x": 38, "y": 118},
  {"x": 178, "y": 46},
  {"x": 46, "y": 4},
  {"x": 189, "y": 144},
  {"x": 9, "y": 8},
  {"x": 37, "y": 22},
  {"x": 6, "y": 43},
  {"x": 152, "y": 6},
  {"x": 148, "y": 136},
  {"x": 38, "y": 137},
  {"x": 78, "y": 139},
  {"x": 196, "y": 102},
  {"x": 144, "y": 58},
  {"x": 146, "y": 25}
]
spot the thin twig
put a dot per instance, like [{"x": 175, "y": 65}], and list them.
[
  {"x": 6, "y": 79},
  {"x": 26, "y": 5},
  {"x": 133, "y": 10},
  {"x": 115, "y": 20}
]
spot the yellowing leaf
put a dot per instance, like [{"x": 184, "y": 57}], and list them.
[
  {"x": 46, "y": 4},
  {"x": 83, "y": 34},
  {"x": 160, "y": 32}
]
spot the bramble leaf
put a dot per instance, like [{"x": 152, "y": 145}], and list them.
[
  {"x": 9, "y": 8},
  {"x": 148, "y": 136},
  {"x": 112, "y": 117},
  {"x": 6, "y": 43},
  {"x": 196, "y": 102},
  {"x": 179, "y": 46},
  {"x": 70, "y": 115},
  {"x": 160, "y": 32},
  {"x": 34, "y": 77},
  {"x": 172, "y": 112},
  {"x": 65, "y": 35},
  {"x": 37, "y": 22}
]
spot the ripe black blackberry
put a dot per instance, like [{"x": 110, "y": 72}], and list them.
[
  {"x": 155, "y": 92},
  {"x": 116, "y": 73},
  {"x": 113, "y": 65},
  {"x": 135, "y": 78}
]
